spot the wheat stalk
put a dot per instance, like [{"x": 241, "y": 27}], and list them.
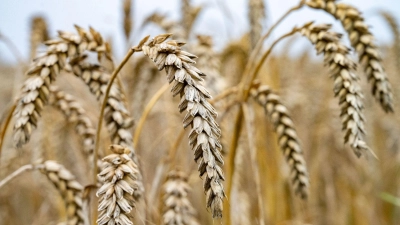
[
  {"x": 205, "y": 132},
  {"x": 346, "y": 86},
  {"x": 69, "y": 188},
  {"x": 43, "y": 72},
  {"x": 74, "y": 112},
  {"x": 287, "y": 136},
  {"x": 120, "y": 181},
  {"x": 361, "y": 39},
  {"x": 177, "y": 207}
]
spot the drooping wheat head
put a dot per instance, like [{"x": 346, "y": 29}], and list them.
[
  {"x": 177, "y": 208},
  {"x": 362, "y": 41},
  {"x": 205, "y": 132},
  {"x": 43, "y": 72},
  {"x": 69, "y": 188},
  {"x": 346, "y": 82},
  {"x": 120, "y": 181},
  {"x": 288, "y": 139}
]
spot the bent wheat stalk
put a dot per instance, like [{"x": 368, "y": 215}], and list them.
[
  {"x": 288, "y": 139},
  {"x": 205, "y": 132},
  {"x": 362, "y": 41}
]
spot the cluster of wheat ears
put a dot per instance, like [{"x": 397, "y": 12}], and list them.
[{"x": 144, "y": 174}]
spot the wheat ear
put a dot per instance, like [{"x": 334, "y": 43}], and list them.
[
  {"x": 69, "y": 188},
  {"x": 119, "y": 183},
  {"x": 287, "y": 136},
  {"x": 74, "y": 112},
  {"x": 177, "y": 207},
  {"x": 346, "y": 86},
  {"x": 362, "y": 41},
  {"x": 209, "y": 63},
  {"x": 394, "y": 26},
  {"x": 257, "y": 17},
  {"x": 127, "y": 9},
  {"x": 205, "y": 132},
  {"x": 39, "y": 34},
  {"x": 43, "y": 72}
]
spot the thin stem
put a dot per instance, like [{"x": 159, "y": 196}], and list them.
[
  {"x": 15, "y": 174},
  {"x": 230, "y": 170},
  {"x": 13, "y": 48},
  {"x": 249, "y": 120},
  {"x": 103, "y": 106},
  {"x": 146, "y": 112},
  {"x": 224, "y": 94},
  {"x": 253, "y": 74},
  {"x": 4, "y": 130}
]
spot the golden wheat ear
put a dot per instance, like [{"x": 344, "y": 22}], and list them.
[
  {"x": 205, "y": 133},
  {"x": 395, "y": 28},
  {"x": 43, "y": 71},
  {"x": 346, "y": 83},
  {"x": 257, "y": 17},
  {"x": 116, "y": 195},
  {"x": 39, "y": 34},
  {"x": 288, "y": 139},
  {"x": 177, "y": 208},
  {"x": 362, "y": 41},
  {"x": 74, "y": 112},
  {"x": 69, "y": 188}
]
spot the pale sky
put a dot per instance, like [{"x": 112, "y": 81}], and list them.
[{"x": 106, "y": 16}]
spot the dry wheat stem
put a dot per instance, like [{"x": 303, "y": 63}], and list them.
[
  {"x": 288, "y": 139},
  {"x": 248, "y": 115},
  {"x": 205, "y": 132},
  {"x": 44, "y": 71},
  {"x": 13, "y": 48},
  {"x": 362, "y": 41},
  {"x": 16, "y": 173},
  {"x": 346, "y": 82},
  {"x": 116, "y": 194},
  {"x": 5, "y": 126},
  {"x": 147, "y": 111},
  {"x": 177, "y": 208},
  {"x": 69, "y": 188},
  {"x": 103, "y": 106}
]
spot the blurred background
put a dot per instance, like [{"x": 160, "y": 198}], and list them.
[{"x": 344, "y": 189}]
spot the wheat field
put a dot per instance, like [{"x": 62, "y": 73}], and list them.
[{"x": 184, "y": 131}]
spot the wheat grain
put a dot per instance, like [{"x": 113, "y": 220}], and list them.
[
  {"x": 177, "y": 207},
  {"x": 43, "y": 71},
  {"x": 120, "y": 182},
  {"x": 346, "y": 86},
  {"x": 362, "y": 41},
  {"x": 69, "y": 188},
  {"x": 205, "y": 132},
  {"x": 287, "y": 136}
]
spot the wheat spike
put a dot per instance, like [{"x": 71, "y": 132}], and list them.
[
  {"x": 127, "y": 8},
  {"x": 346, "y": 86},
  {"x": 257, "y": 17},
  {"x": 287, "y": 136},
  {"x": 362, "y": 41},
  {"x": 394, "y": 26},
  {"x": 167, "y": 25},
  {"x": 205, "y": 132},
  {"x": 74, "y": 112},
  {"x": 119, "y": 183},
  {"x": 39, "y": 34},
  {"x": 69, "y": 188},
  {"x": 177, "y": 207},
  {"x": 209, "y": 63},
  {"x": 43, "y": 72}
]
